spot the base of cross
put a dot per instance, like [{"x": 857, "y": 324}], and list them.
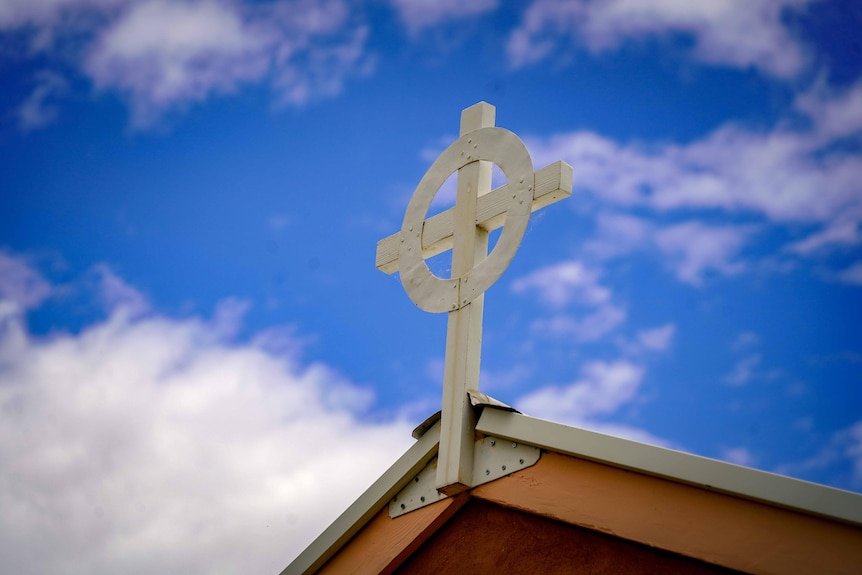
[{"x": 493, "y": 457}]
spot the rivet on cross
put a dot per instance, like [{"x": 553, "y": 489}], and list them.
[{"x": 464, "y": 229}]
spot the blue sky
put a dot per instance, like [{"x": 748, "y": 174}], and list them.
[{"x": 200, "y": 366}]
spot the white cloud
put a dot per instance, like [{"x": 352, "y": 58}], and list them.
[
  {"x": 561, "y": 283},
  {"x": 778, "y": 175},
  {"x": 833, "y": 115},
  {"x": 724, "y": 32},
  {"x": 567, "y": 282},
  {"x": 658, "y": 338},
  {"x": 602, "y": 389},
  {"x": 787, "y": 175},
  {"x": 419, "y": 14},
  {"x": 164, "y": 53},
  {"x": 151, "y": 444},
  {"x": 647, "y": 341},
  {"x": 691, "y": 249}
]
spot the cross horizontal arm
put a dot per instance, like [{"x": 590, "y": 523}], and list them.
[{"x": 553, "y": 183}]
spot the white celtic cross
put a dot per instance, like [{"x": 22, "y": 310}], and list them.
[{"x": 464, "y": 229}]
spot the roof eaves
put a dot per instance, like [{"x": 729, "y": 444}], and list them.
[{"x": 681, "y": 467}]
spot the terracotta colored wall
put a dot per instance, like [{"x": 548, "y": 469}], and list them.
[{"x": 485, "y": 539}]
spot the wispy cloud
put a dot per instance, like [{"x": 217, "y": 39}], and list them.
[
  {"x": 739, "y": 456},
  {"x": 39, "y": 109},
  {"x": 20, "y": 285},
  {"x": 49, "y": 13},
  {"x": 115, "y": 294},
  {"x": 420, "y": 14},
  {"x": 618, "y": 234},
  {"x": 743, "y": 370},
  {"x": 572, "y": 282},
  {"x": 852, "y": 274},
  {"x": 745, "y": 340},
  {"x": 647, "y": 342},
  {"x": 842, "y": 230},
  {"x": 691, "y": 249},
  {"x": 560, "y": 284},
  {"x": 320, "y": 44},
  {"x": 505, "y": 378},
  {"x": 723, "y": 32},
  {"x": 586, "y": 326},
  {"x": 841, "y": 455},
  {"x": 694, "y": 249},
  {"x": 749, "y": 360},
  {"x": 658, "y": 338},
  {"x": 135, "y": 438}
]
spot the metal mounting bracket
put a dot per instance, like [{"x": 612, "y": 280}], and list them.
[
  {"x": 493, "y": 458},
  {"x": 418, "y": 493}
]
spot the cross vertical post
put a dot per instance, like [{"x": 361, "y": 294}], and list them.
[
  {"x": 464, "y": 328},
  {"x": 464, "y": 229}
]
